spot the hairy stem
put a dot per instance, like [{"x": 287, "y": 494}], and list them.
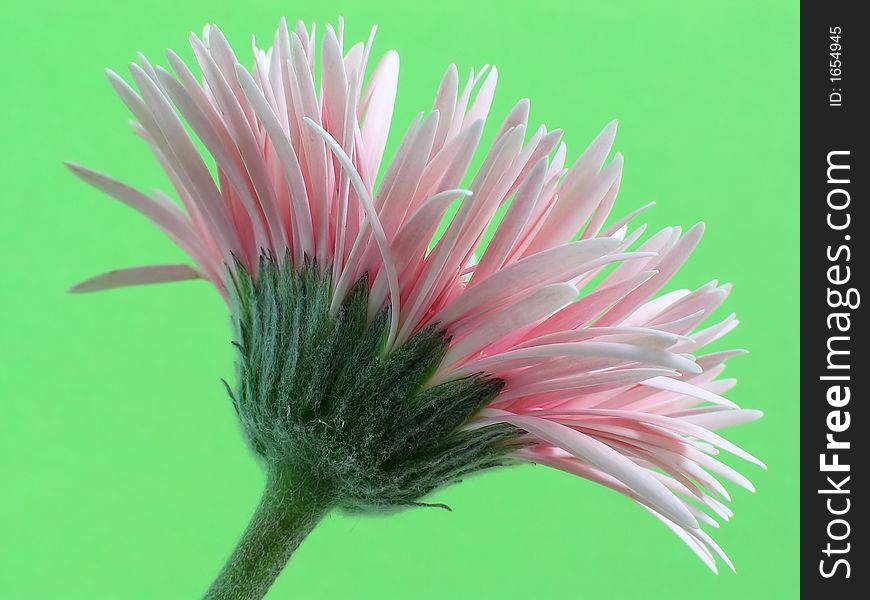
[{"x": 290, "y": 508}]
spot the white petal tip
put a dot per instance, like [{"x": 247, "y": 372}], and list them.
[{"x": 693, "y": 367}]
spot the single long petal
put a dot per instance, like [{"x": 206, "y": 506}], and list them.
[{"x": 136, "y": 276}]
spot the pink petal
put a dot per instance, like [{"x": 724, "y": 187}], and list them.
[{"x": 136, "y": 276}]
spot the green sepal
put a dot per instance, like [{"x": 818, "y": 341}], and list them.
[{"x": 319, "y": 394}]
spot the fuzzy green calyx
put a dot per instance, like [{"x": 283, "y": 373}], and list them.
[{"x": 318, "y": 394}]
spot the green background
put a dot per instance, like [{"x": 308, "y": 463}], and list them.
[{"x": 123, "y": 472}]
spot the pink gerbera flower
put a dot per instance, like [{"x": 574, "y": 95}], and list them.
[{"x": 380, "y": 359}]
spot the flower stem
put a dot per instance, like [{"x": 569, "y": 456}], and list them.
[{"x": 290, "y": 508}]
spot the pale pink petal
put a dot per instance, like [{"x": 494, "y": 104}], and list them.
[
  {"x": 538, "y": 305},
  {"x": 290, "y": 164},
  {"x": 379, "y": 98},
  {"x": 533, "y": 271},
  {"x": 512, "y": 224},
  {"x": 608, "y": 460},
  {"x": 136, "y": 276}
]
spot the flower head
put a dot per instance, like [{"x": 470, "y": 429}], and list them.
[{"x": 377, "y": 354}]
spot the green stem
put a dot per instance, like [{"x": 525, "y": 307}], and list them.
[{"x": 290, "y": 508}]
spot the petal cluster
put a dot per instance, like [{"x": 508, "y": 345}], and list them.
[{"x": 562, "y": 304}]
